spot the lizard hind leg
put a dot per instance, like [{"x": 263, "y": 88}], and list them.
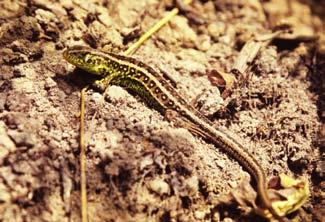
[{"x": 181, "y": 122}]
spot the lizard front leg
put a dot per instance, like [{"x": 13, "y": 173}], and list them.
[{"x": 103, "y": 84}]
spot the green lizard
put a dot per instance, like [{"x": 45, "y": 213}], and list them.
[{"x": 158, "y": 93}]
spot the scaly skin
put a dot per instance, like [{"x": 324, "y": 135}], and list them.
[{"x": 159, "y": 94}]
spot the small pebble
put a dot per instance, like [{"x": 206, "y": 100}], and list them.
[
  {"x": 199, "y": 215},
  {"x": 209, "y": 101},
  {"x": 49, "y": 83},
  {"x": 159, "y": 186},
  {"x": 22, "y": 138},
  {"x": 23, "y": 85}
]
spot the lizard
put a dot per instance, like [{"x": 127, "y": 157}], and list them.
[{"x": 159, "y": 94}]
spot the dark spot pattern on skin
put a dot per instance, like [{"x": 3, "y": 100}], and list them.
[
  {"x": 177, "y": 108},
  {"x": 170, "y": 103},
  {"x": 124, "y": 68},
  {"x": 151, "y": 84},
  {"x": 164, "y": 96},
  {"x": 183, "y": 113},
  {"x": 131, "y": 72},
  {"x": 182, "y": 101},
  {"x": 145, "y": 79},
  {"x": 169, "y": 88},
  {"x": 141, "y": 64},
  {"x": 101, "y": 70},
  {"x": 157, "y": 90},
  {"x": 138, "y": 75},
  {"x": 151, "y": 70},
  {"x": 95, "y": 61}
]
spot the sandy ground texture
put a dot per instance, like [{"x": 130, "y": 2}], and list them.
[{"x": 139, "y": 166}]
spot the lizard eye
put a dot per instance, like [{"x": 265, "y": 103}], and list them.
[{"x": 88, "y": 58}]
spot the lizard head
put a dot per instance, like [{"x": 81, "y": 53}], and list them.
[{"x": 85, "y": 58}]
